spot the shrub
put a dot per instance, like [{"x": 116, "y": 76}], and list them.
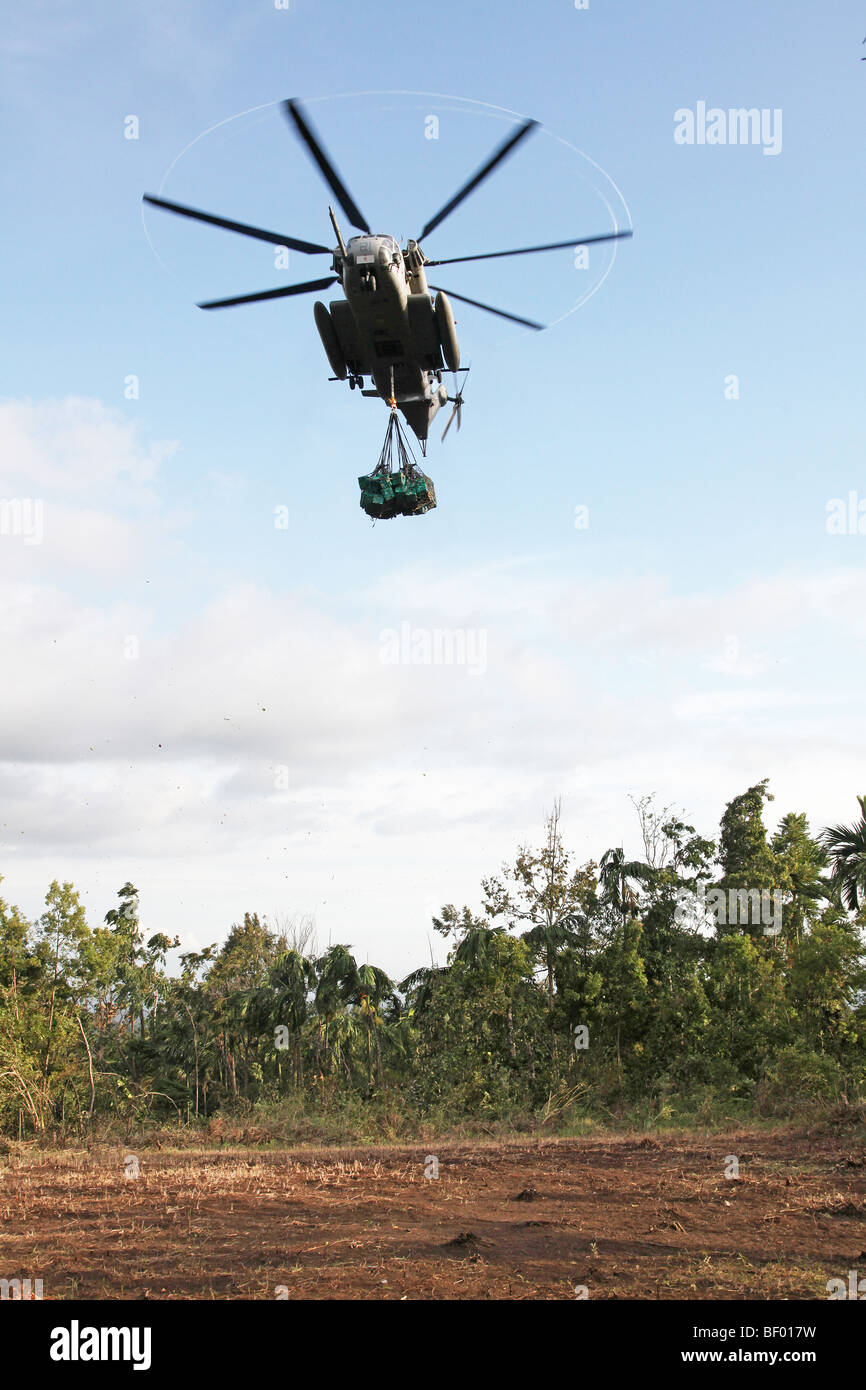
[{"x": 798, "y": 1080}]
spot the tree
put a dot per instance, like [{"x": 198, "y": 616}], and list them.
[
  {"x": 22, "y": 968},
  {"x": 745, "y": 986},
  {"x": 20, "y": 962},
  {"x": 291, "y": 979},
  {"x": 743, "y": 839},
  {"x": 238, "y": 973},
  {"x": 826, "y": 978},
  {"x": 657, "y": 844},
  {"x": 801, "y": 862},
  {"x": 296, "y": 931},
  {"x": 336, "y": 982},
  {"x": 372, "y": 988},
  {"x": 64, "y": 930},
  {"x": 624, "y": 984},
  {"x": 95, "y": 1022},
  {"x": 478, "y": 1030},
  {"x": 129, "y": 942},
  {"x": 846, "y": 845},
  {"x": 748, "y": 863},
  {"x": 548, "y": 895},
  {"x": 616, "y": 875},
  {"x": 188, "y": 1005}
]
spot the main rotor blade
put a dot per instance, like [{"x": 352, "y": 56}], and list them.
[
  {"x": 530, "y": 250},
  {"x": 488, "y": 308},
  {"x": 479, "y": 176},
  {"x": 306, "y": 288},
  {"x": 295, "y": 113},
  {"x": 309, "y": 248}
]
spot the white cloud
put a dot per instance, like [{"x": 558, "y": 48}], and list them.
[
  {"x": 256, "y": 752},
  {"x": 74, "y": 445},
  {"x": 91, "y": 475},
  {"x": 709, "y": 704}
]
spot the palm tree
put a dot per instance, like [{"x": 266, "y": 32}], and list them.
[
  {"x": 336, "y": 980},
  {"x": 846, "y": 845},
  {"x": 615, "y": 873},
  {"x": 291, "y": 979},
  {"x": 546, "y": 939},
  {"x": 479, "y": 951},
  {"x": 419, "y": 987},
  {"x": 475, "y": 948},
  {"x": 372, "y": 986}
]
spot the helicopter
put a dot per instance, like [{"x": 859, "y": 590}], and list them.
[{"x": 389, "y": 327}]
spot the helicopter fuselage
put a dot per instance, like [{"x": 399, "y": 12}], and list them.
[{"x": 388, "y": 328}]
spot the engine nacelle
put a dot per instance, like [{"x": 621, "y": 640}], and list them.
[
  {"x": 424, "y": 330},
  {"x": 330, "y": 342},
  {"x": 343, "y": 324},
  {"x": 447, "y": 331}
]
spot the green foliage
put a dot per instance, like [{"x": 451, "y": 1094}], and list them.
[
  {"x": 576, "y": 991},
  {"x": 745, "y": 856},
  {"x": 847, "y": 847},
  {"x": 796, "y": 1079}
]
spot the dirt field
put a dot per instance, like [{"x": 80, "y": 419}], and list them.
[{"x": 622, "y": 1217}]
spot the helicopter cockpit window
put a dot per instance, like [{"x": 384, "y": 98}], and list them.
[{"x": 362, "y": 251}]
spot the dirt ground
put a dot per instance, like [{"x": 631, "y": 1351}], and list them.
[{"x": 611, "y": 1218}]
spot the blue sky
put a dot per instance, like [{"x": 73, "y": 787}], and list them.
[{"x": 703, "y": 631}]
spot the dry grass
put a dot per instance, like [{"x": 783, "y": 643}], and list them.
[{"x": 626, "y": 1217}]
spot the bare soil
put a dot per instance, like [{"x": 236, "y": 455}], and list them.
[{"x": 618, "y": 1217}]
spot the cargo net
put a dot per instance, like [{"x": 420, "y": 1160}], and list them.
[{"x": 396, "y": 487}]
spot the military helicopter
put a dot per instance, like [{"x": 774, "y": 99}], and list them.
[{"x": 388, "y": 327}]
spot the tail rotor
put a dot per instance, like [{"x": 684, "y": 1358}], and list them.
[{"x": 457, "y": 401}]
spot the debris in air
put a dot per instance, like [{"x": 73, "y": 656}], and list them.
[{"x": 396, "y": 487}]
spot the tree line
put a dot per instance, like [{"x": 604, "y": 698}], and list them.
[{"x": 705, "y": 972}]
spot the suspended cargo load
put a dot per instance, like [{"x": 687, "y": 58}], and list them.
[
  {"x": 420, "y": 493},
  {"x": 401, "y": 490}
]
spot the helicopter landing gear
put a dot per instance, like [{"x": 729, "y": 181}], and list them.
[{"x": 355, "y": 381}]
